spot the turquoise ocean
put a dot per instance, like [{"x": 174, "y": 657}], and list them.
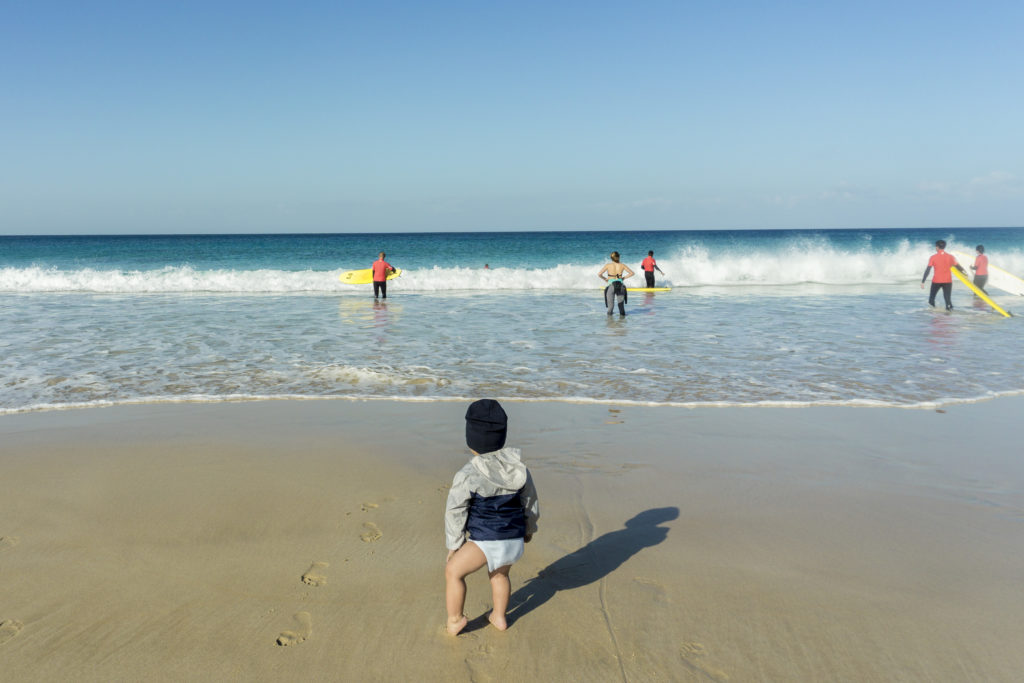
[{"x": 831, "y": 317}]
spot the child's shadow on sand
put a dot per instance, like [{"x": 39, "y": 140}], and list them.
[{"x": 592, "y": 562}]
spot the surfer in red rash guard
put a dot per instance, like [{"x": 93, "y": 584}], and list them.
[
  {"x": 649, "y": 265},
  {"x": 943, "y": 264},
  {"x": 381, "y": 270},
  {"x": 980, "y": 268}
]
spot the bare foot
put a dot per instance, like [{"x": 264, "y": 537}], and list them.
[
  {"x": 456, "y": 624},
  {"x": 499, "y": 623}
]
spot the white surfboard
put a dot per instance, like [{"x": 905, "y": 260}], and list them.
[{"x": 997, "y": 277}]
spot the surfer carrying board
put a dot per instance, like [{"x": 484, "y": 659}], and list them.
[
  {"x": 614, "y": 273},
  {"x": 980, "y": 268},
  {"x": 381, "y": 270},
  {"x": 943, "y": 264},
  {"x": 649, "y": 265}
]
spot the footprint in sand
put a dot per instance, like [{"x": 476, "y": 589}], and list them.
[
  {"x": 313, "y": 577},
  {"x": 692, "y": 654},
  {"x": 371, "y": 534},
  {"x": 366, "y": 507},
  {"x": 304, "y": 630},
  {"x": 8, "y": 542},
  {"x": 478, "y": 662},
  {"x": 8, "y": 629},
  {"x": 657, "y": 591}
]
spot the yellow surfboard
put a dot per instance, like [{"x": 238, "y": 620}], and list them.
[
  {"x": 364, "y": 276},
  {"x": 649, "y": 289},
  {"x": 980, "y": 294}
]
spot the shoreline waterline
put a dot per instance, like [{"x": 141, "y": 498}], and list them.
[{"x": 214, "y": 400}]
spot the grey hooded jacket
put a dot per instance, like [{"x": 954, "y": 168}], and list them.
[{"x": 492, "y": 497}]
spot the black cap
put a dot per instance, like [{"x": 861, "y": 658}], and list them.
[{"x": 486, "y": 426}]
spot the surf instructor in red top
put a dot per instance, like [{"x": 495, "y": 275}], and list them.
[
  {"x": 381, "y": 270},
  {"x": 943, "y": 264},
  {"x": 980, "y": 268},
  {"x": 649, "y": 265}
]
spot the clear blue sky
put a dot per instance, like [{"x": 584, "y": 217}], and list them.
[{"x": 205, "y": 116}]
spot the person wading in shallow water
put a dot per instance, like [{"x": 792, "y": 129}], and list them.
[
  {"x": 943, "y": 264},
  {"x": 381, "y": 270},
  {"x": 980, "y": 268},
  {"x": 649, "y": 265},
  {"x": 614, "y": 274}
]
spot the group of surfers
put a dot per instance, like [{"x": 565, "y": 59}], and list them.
[
  {"x": 615, "y": 273},
  {"x": 944, "y": 263}
]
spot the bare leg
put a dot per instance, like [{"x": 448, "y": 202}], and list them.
[
  {"x": 501, "y": 590},
  {"x": 464, "y": 562}
]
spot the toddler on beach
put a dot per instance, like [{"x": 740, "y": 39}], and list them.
[{"x": 494, "y": 500}]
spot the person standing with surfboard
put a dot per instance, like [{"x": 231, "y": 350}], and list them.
[
  {"x": 943, "y": 264},
  {"x": 980, "y": 268},
  {"x": 649, "y": 265},
  {"x": 381, "y": 269},
  {"x": 615, "y": 292}
]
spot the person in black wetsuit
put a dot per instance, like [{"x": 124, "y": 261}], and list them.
[{"x": 614, "y": 273}]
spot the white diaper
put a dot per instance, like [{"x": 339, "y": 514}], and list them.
[{"x": 500, "y": 553}]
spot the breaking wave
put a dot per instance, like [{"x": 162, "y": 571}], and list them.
[{"x": 690, "y": 266}]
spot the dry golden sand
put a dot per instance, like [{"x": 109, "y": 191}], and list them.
[{"x": 303, "y": 541}]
